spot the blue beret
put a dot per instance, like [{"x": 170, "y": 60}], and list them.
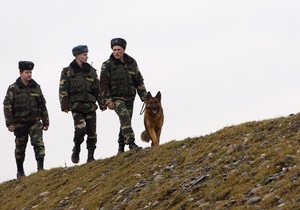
[
  {"x": 80, "y": 49},
  {"x": 26, "y": 65},
  {"x": 118, "y": 41}
]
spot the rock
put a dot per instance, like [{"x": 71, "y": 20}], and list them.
[
  {"x": 169, "y": 167},
  {"x": 204, "y": 205},
  {"x": 202, "y": 178},
  {"x": 244, "y": 174},
  {"x": 254, "y": 190},
  {"x": 158, "y": 178},
  {"x": 254, "y": 200},
  {"x": 269, "y": 180},
  {"x": 281, "y": 205},
  {"x": 265, "y": 164},
  {"x": 265, "y": 143},
  {"x": 156, "y": 203},
  {"x": 209, "y": 154},
  {"x": 140, "y": 202},
  {"x": 267, "y": 196},
  {"x": 43, "y": 194},
  {"x": 137, "y": 175}
]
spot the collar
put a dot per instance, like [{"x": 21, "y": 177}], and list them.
[
  {"x": 77, "y": 68},
  {"x": 31, "y": 83},
  {"x": 126, "y": 58}
]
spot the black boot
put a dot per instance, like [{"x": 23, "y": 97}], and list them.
[
  {"x": 40, "y": 164},
  {"x": 132, "y": 145},
  {"x": 121, "y": 148},
  {"x": 91, "y": 155},
  {"x": 75, "y": 154},
  {"x": 20, "y": 169}
]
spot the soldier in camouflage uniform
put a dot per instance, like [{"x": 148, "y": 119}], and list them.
[
  {"x": 120, "y": 79},
  {"x": 78, "y": 93},
  {"x": 24, "y": 109}
]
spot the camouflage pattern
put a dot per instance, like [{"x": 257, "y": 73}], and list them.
[
  {"x": 85, "y": 124},
  {"x": 65, "y": 92},
  {"x": 9, "y": 103},
  {"x": 124, "y": 104},
  {"x": 35, "y": 131},
  {"x": 82, "y": 101},
  {"x": 27, "y": 125},
  {"x": 124, "y": 110},
  {"x": 105, "y": 79}
]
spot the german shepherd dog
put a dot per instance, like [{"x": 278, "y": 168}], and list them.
[{"x": 153, "y": 119}]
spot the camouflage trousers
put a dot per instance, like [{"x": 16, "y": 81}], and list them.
[
  {"x": 35, "y": 131},
  {"x": 85, "y": 123},
  {"x": 124, "y": 110}
]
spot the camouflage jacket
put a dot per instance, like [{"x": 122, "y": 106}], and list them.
[
  {"x": 25, "y": 104},
  {"x": 79, "y": 88},
  {"x": 133, "y": 79}
]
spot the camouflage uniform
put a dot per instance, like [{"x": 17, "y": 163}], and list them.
[
  {"x": 25, "y": 107},
  {"x": 78, "y": 93},
  {"x": 119, "y": 82}
]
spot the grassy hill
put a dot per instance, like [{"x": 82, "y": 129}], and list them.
[{"x": 254, "y": 165}]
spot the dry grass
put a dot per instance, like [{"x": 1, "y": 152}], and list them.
[{"x": 218, "y": 171}]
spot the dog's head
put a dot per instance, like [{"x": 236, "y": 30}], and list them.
[{"x": 153, "y": 103}]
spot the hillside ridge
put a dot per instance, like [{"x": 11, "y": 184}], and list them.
[{"x": 253, "y": 165}]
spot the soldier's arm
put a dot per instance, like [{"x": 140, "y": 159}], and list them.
[
  {"x": 8, "y": 106},
  {"x": 64, "y": 91},
  {"x": 97, "y": 89},
  {"x": 139, "y": 84},
  {"x": 44, "y": 111},
  {"x": 104, "y": 86}
]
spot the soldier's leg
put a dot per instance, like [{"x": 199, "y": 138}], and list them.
[
  {"x": 121, "y": 142},
  {"x": 36, "y": 136},
  {"x": 125, "y": 121},
  {"x": 80, "y": 130},
  {"x": 91, "y": 124},
  {"x": 131, "y": 141},
  {"x": 20, "y": 149}
]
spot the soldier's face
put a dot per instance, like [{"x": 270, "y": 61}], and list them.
[
  {"x": 82, "y": 57},
  {"x": 118, "y": 52},
  {"x": 26, "y": 75}
]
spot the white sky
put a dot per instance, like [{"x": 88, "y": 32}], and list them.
[{"x": 217, "y": 63}]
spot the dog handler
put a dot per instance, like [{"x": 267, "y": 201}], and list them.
[{"x": 120, "y": 79}]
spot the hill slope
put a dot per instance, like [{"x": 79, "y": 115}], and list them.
[{"x": 254, "y": 165}]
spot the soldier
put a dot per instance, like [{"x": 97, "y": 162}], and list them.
[
  {"x": 24, "y": 108},
  {"x": 78, "y": 93},
  {"x": 120, "y": 79}
]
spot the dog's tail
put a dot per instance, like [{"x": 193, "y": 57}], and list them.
[{"x": 145, "y": 136}]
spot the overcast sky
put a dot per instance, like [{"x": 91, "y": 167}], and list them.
[{"x": 216, "y": 63}]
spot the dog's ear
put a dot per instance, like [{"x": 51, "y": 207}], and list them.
[
  {"x": 149, "y": 95},
  {"x": 158, "y": 95}
]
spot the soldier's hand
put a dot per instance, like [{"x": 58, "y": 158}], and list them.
[
  {"x": 111, "y": 105},
  {"x": 103, "y": 108},
  {"x": 11, "y": 128},
  {"x": 45, "y": 128}
]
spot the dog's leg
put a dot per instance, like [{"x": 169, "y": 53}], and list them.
[
  {"x": 158, "y": 132},
  {"x": 153, "y": 137}
]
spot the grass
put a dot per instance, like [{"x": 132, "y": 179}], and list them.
[{"x": 222, "y": 170}]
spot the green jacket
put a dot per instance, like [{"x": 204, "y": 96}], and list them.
[
  {"x": 121, "y": 80},
  {"x": 79, "y": 88},
  {"x": 25, "y": 104}
]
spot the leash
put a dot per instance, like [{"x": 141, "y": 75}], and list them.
[{"x": 143, "y": 109}]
